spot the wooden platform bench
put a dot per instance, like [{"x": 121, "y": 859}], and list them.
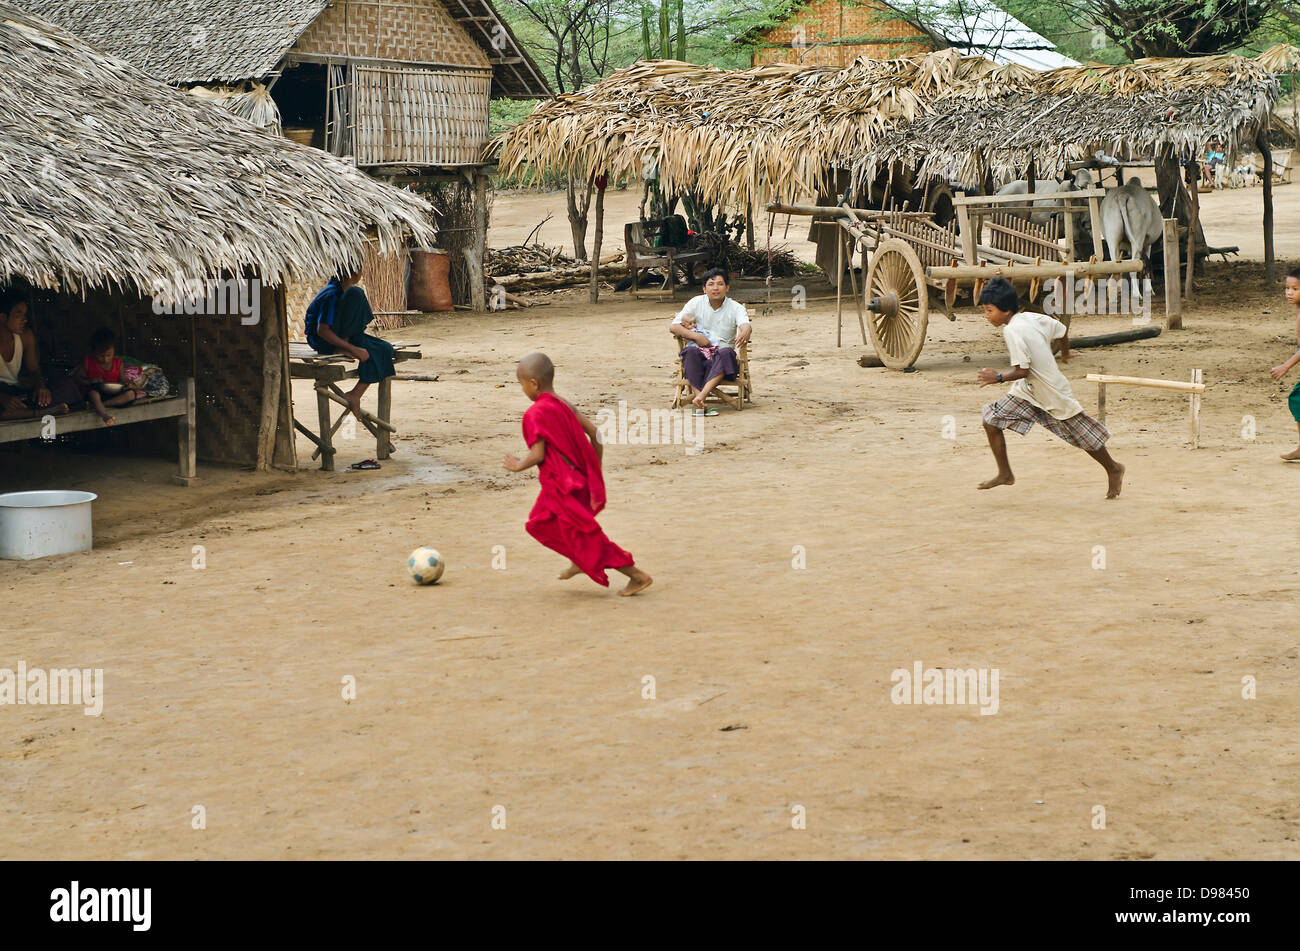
[
  {"x": 181, "y": 407},
  {"x": 326, "y": 371}
]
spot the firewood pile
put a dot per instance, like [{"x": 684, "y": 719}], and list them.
[
  {"x": 536, "y": 267},
  {"x": 738, "y": 259}
]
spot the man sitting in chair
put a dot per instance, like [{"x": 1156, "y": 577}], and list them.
[{"x": 718, "y": 319}]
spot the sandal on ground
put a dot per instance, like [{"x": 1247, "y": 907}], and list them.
[
  {"x": 705, "y": 412},
  {"x": 365, "y": 464}
]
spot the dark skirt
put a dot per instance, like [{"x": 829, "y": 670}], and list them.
[
  {"x": 699, "y": 369},
  {"x": 63, "y": 389}
]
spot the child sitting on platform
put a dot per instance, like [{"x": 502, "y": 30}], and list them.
[{"x": 101, "y": 376}]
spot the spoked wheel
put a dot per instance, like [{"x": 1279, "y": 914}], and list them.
[{"x": 899, "y": 303}]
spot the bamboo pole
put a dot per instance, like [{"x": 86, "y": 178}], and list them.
[
  {"x": 1194, "y": 387},
  {"x": 1011, "y": 271}
]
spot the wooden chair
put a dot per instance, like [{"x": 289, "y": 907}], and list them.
[
  {"x": 1283, "y": 163},
  {"x": 743, "y": 386},
  {"x": 642, "y": 253}
]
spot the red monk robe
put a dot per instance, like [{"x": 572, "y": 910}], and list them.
[{"x": 573, "y": 491}]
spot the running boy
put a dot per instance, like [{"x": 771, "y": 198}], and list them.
[
  {"x": 1293, "y": 401},
  {"x": 1040, "y": 392},
  {"x": 563, "y": 444}
]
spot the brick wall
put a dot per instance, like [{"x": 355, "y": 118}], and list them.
[
  {"x": 416, "y": 31},
  {"x": 826, "y": 20}
]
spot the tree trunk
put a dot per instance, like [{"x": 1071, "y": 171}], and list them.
[
  {"x": 1175, "y": 200},
  {"x": 600, "y": 235},
  {"x": 681, "y": 30},
  {"x": 577, "y": 207},
  {"x": 645, "y": 30},
  {"x": 665, "y": 46},
  {"x": 1261, "y": 143}
]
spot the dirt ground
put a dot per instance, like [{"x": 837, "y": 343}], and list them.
[{"x": 1120, "y": 686}]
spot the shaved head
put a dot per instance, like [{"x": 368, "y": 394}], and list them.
[{"x": 537, "y": 366}]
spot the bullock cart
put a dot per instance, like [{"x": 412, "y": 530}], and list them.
[{"x": 906, "y": 256}]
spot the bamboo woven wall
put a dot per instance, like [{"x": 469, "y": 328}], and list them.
[
  {"x": 382, "y": 276},
  {"x": 416, "y": 116},
  {"x": 411, "y": 31},
  {"x": 221, "y": 353},
  {"x": 824, "y": 21}
]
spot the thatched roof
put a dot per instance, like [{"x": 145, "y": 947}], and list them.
[
  {"x": 775, "y": 131},
  {"x": 227, "y": 41},
  {"x": 109, "y": 177}
]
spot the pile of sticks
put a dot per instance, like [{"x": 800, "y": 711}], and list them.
[{"x": 536, "y": 267}]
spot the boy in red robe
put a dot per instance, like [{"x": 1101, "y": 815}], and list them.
[{"x": 563, "y": 444}]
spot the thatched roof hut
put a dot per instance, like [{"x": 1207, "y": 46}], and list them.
[
  {"x": 111, "y": 178},
  {"x": 741, "y": 137},
  {"x": 119, "y": 193}
]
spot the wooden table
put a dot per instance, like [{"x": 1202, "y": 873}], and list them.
[{"x": 326, "y": 371}]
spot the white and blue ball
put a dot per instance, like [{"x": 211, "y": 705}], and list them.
[{"x": 425, "y": 565}]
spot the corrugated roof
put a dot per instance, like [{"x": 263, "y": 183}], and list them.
[{"x": 983, "y": 28}]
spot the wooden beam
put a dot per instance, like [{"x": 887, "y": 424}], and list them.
[
  {"x": 1062, "y": 269},
  {"x": 1173, "y": 296},
  {"x": 1143, "y": 381},
  {"x": 1082, "y": 193}
]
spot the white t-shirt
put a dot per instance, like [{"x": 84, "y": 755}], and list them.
[
  {"x": 9, "y": 369},
  {"x": 718, "y": 325},
  {"x": 1029, "y": 339}
]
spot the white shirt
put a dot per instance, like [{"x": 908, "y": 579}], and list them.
[
  {"x": 9, "y": 369},
  {"x": 718, "y": 325},
  {"x": 1029, "y": 339}
]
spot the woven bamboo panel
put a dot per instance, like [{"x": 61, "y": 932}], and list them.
[
  {"x": 222, "y": 354},
  {"x": 383, "y": 277},
  {"x": 415, "y": 116}
]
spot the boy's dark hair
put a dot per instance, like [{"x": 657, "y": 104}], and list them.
[
  {"x": 999, "y": 292},
  {"x": 102, "y": 339},
  {"x": 10, "y": 297},
  {"x": 716, "y": 272},
  {"x": 1294, "y": 272}
]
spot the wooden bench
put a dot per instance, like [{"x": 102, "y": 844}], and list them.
[
  {"x": 326, "y": 371},
  {"x": 181, "y": 407}
]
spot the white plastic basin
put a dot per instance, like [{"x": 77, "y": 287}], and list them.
[{"x": 40, "y": 524}]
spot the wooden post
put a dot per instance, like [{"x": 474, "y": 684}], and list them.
[
  {"x": 749, "y": 226},
  {"x": 857, "y": 298},
  {"x": 272, "y": 363},
  {"x": 385, "y": 412},
  {"x": 1094, "y": 221},
  {"x": 601, "y": 182},
  {"x": 839, "y": 284},
  {"x": 1261, "y": 143},
  {"x": 187, "y": 436},
  {"x": 968, "y": 236},
  {"x": 1031, "y": 175},
  {"x": 1101, "y": 403},
  {"x": 477, "y": 292},
  {"x": 326, "y": 438},
  {"x": 1192, "y": 228},
  {"x": 1194, "y": 409},
  {"x": 1173, "y": 300}
]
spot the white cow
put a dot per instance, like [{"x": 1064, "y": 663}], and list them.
[
  {"x": 1082, "y": 179},
  {"x": 1129, "y": 215}
]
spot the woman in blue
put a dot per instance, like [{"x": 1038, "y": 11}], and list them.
[{"x": 336, "y": 323}]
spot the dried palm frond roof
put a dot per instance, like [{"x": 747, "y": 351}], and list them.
[
  {"x": 776, "y": 131},
  {"x": 110, "y": 178},
  {"x": 739, "y": 133},
  {"x": 1133, "y": 109}
]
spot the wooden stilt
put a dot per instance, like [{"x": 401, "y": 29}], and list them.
[
  {"x": 1101, "y": 403},
  {"x": 382, "y": 446},
  {"x": 839, "y": 284},
  {"x": 1173, "y": 298},
  {"x": 1194, "y": 407}
]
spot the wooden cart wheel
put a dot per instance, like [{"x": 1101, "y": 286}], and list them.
[{"x": 899, "y": 302}]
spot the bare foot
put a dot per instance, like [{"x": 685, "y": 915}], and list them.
[
  {"x": 1116, "y": 481},
  {"x": 636, "y": 584},
  {"x": 108, "y": 420},
  {"x": 698, "y": 402},
  {"x": 355, "y": 403},
  {"x": 1292, "y": 456},
  {"x": 570, "y": 571},
  {"x": 999, "y": 479}
]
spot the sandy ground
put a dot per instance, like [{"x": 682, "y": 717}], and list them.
[{"x": 1120, "y": 687}]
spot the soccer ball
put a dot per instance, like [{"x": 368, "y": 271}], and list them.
[{"x": 425, "y": 565}]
